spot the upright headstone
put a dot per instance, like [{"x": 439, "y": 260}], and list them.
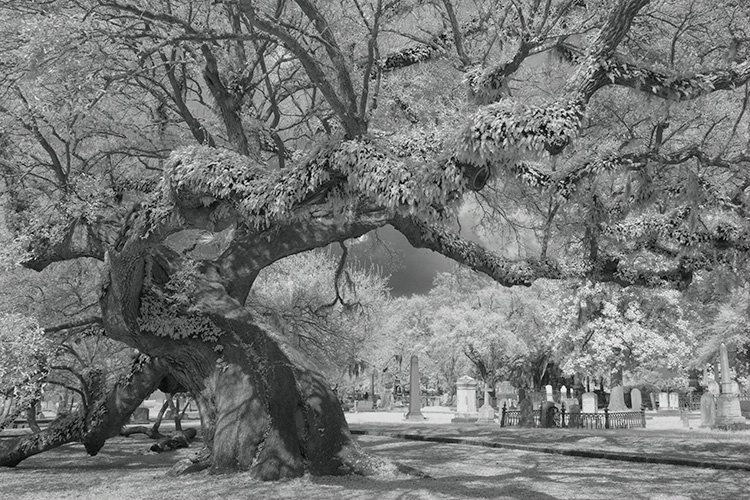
[
  {"x": 548, "y": 388},
  {"x": 466, "y": 400},
  {"x": 563, "y": 393},
  {"x": 728, "y": 411},
  {"x": 663, "y": 401},
  {"x": 674, "y": 401},
  {"x": 708, "y": 410},
  {"x": 714, "y": 388},
  {"x": 415, "y": 401},
  {"x": 589, "y": 402},
  {"x": 636, "y": 403},
  {"x": 617, "y": 399}
]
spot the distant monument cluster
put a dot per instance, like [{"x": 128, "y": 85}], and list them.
[{"x": 720, "y": 406}]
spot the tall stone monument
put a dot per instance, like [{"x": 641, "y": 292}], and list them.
[
  {"x": 728, "y": 410},
  {"x": 466, "y": 400},
  {"x": 415, "y": 400}
]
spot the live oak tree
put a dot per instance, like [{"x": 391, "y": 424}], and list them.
[{"x": 189, "y": 145}]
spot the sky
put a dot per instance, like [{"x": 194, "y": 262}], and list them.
[{"x": 412, "y": 271}]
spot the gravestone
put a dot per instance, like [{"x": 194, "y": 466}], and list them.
[
  {"x": 526, "y": 410},
  {"x": 735, "y": 387},
  {"x": 674, "y": 401},
  {"x": 486, "y": 412},
  {"x": 728, "y": 411},
  {"x": 617, "y": 399},
  {"x": 140, "y": 415},
  {"x": 636, "y": 403},
  {"x": 589, "y": 402},
  {"x": 708, "y": 410},
  {"x": 663, "y": 401},
  {"x": 714, "y": 388},
  {"x": 466, "y": 400},
  {"x": 415, "y": 401},
  {"x": 564, "y": 393},
  {"x": 548, "y": 388}
]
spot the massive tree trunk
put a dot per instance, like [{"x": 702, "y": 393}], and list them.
[
  {"x": 264, "y": 408},
  {"x": 92, "y": 425}
]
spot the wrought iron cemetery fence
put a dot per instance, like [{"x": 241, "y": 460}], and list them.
[{"x": 559, "y": 417}]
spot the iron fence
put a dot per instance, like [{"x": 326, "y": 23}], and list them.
[{"x": 604, "y": 420}]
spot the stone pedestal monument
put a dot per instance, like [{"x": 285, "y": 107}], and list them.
[
  {"x": 466, "y": 400},
  {"x": 728, "y": 402},
  {"x": 415, "y": 401}
]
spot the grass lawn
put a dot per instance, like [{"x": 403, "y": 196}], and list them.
[{"x": 126, "y": 470}]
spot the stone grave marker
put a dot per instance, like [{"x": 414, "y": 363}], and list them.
[
  {"x": 728, "y": 411},
  {"x": 708, "y": 410},
  {"x": 486, "y": 412},
  {"x": 617, "y": 399},
  {"x": 466, "y": 400},
  {"x": 415, "y": 400},
  {"x": 636, "y": 402},
  {"x": 589, "y": 402},
  {"x": 714, "y": 387},
  {"x": 674, "y": 401},
  {"x": 663, "y": 401},
  {"x": 564, "y": 393},
  {"x": 548, "y": 388}
]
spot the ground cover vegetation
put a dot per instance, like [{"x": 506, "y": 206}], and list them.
[{"x": 185, "y": 147}]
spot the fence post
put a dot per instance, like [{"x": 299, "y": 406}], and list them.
[
  {"x": 502, "y": 416},
  {"x": 643, "y": 418},
  {"x": 562, "y": 415},
  {"x": 606, "y": 418}
]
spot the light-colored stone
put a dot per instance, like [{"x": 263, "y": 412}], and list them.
[
  {"x": 617, "y": 399},
  {"x": 466, "y": 400},
  {"x": 636, "y": 401},
  {"x": 663, "y": 401},
  {"x": 674, "y": 401},
  {"x": 728, "y": 411},
  {"x": 486, "y": 412},
  {"x": 714, "y": 388},
  {"x": 735, "y": 387},
  {"x": 564, "y": 393},
  {"x": 589, "y": 402},
  {"x": 415, "y": 399}
]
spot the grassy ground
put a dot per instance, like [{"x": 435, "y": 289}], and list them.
[{"x": 125, "y": 469}]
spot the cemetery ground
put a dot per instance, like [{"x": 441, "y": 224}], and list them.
[{"x": 125, "y": 469}]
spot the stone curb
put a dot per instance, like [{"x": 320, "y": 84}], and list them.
[{"x": 623, "y": 457}]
